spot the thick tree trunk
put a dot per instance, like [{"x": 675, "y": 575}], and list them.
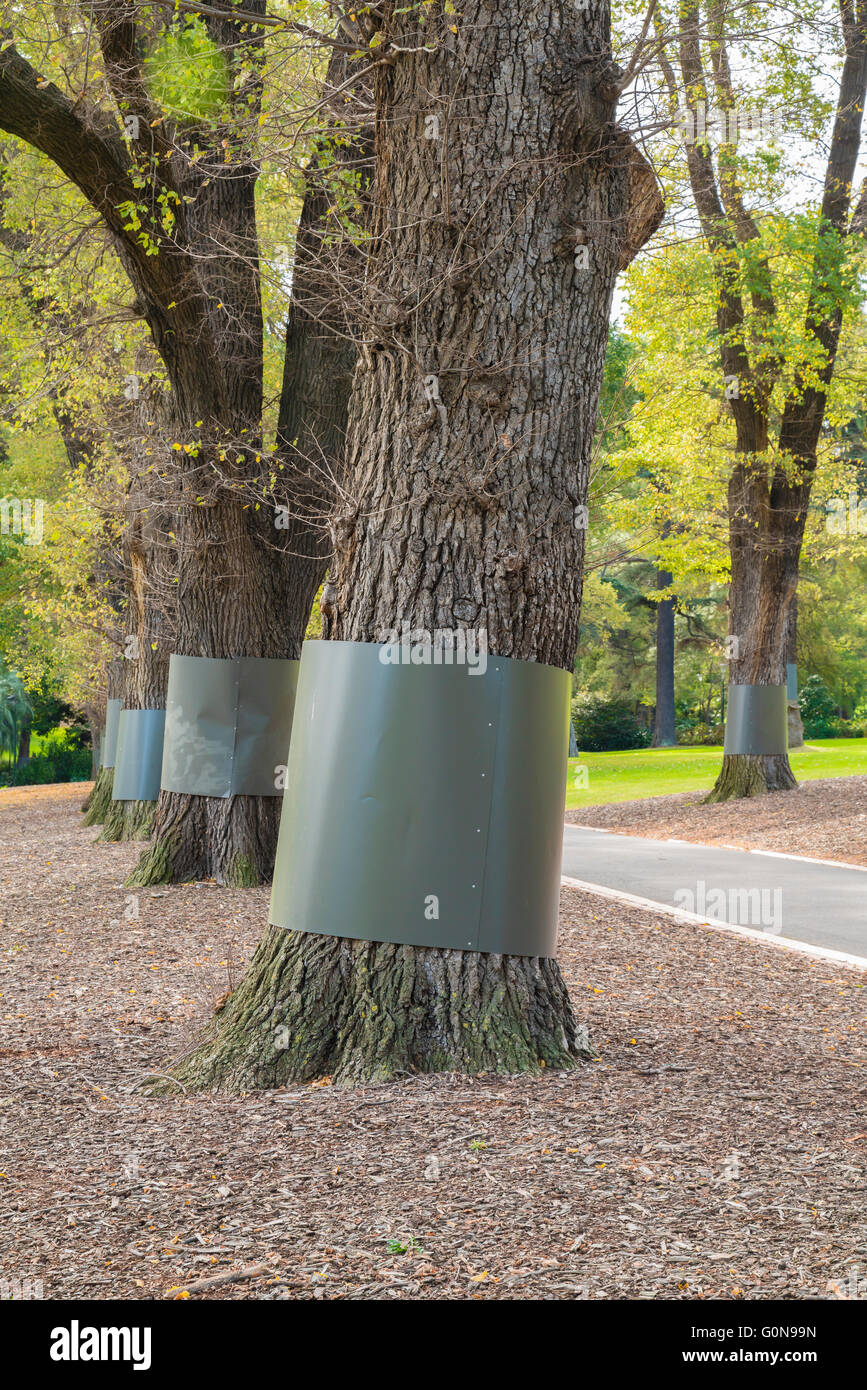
[
  {"x": 248, "y": 575},
  {"x": 765, "y": 545},
  {"x": 310, "y": 1006},
  {"x": 500, "y": 227},
  {"x": 239, "y": 595},
  {"x": 664, "y": 731}
]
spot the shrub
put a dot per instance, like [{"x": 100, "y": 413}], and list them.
[
  {"x": 701, "y": 734},
  {"x": 818, "y": 711},
  {"x": 606, "y": 726},
  {"x": 61, "y": 759}
]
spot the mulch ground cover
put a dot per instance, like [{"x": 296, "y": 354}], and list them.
[
  {"x": 826, "y": 819},
  {"x": 715, "y": 1147}
]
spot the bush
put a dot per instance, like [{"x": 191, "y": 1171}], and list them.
[
  {"x": 606, "y": 726},
  {"x": 701, "y": 734},
  {"x": 818, "y": 711},
  {"x": 60, "y": 759}
]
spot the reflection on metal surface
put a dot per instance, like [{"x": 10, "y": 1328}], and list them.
[
  {"x": 424, "y": 804},
  {"x": 139, "y": 755},
  {"x": 792, "y": 680},
  {"x": 228, "y": 724},
  {"x": 757, "y": 720},
  {"x": 109, "y": 738}
]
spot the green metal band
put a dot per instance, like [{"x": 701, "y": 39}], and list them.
[
  {"x": 139, "y": 755},
  {"x": 424, "y": 803},
  {"x": 228, "y": 724},
  {"x": 792, "y": 680},
  {"x": 757, "y": 720}
]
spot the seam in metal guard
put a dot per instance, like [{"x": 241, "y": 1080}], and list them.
[
  {"x": 228, "y": 722},
  {"x": 424, "y": 804}
]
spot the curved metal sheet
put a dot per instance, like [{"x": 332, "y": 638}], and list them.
[
  {"x": 228, "y": 723},
  {"x": 792, "y": 680},
  {"x": 424, "y": 804},
  {"x": 757, "y": 720},
  {"x": 109, "y": 738},
  {"x": 139, "y": 755}
]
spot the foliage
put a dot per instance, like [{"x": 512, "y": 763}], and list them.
[
  {"x": 604, "y": 725},
  {"x": 62, "y": 758},
  {"x": 186, "y": 72},
  {"x": 15, "y": 711}
]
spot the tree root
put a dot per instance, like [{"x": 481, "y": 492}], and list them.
[
  {"x": 310, "y": 1006},
  {"x": 99, "y": 801},
  {"x": 230, "y": 839},
  {"x": 746, "y": 774},
  {"x": 128, "y": 820}
]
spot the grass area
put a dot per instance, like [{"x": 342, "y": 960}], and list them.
[{"x": 598, "y": 778}]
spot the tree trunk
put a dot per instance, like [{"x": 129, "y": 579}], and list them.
[
  {"x": 664, "y": 732},
  {"x": 796, "y": 726},
  {"x": 239, "y": 595},
  {"x": 769, "y": 490},
  {"x": 99, "y": 801},
  {"x": 150, "y": 639},
  {"x": 765, "y": 543},
  {"x": 471, "y": 424},
  {"x": 24, "y": 746},
  {"x": 248, "y": 577}
]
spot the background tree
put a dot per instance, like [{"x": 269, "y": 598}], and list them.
[
  {"x": 162, "y": 140},
  {"x": 779, "y": 370}
]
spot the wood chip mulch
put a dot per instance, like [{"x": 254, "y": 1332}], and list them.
[
  {"x": 716, "y": 1147},
  {"x": 826, "y": 819}
]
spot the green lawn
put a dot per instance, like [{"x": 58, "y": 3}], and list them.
[{"x": 661, "y": 771}]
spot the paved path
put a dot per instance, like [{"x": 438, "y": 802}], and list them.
[{"x": 823, "y": 904}]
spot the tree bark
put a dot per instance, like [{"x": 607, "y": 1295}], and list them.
[
  {"x": 796, "y": 726},
  {"x": 24, "y": 746},
  {"x": 191, "y": 255},
  {"x": 246, "y": 587},
  {"x": 664, "y": 730},
  {"x": 99, "y": 801},
  {"x": 151, "y": 619},
  {"x": 471, "y": 424},
  {"x": 765, "y": 549},
  {"x": 769, "y": 490}
]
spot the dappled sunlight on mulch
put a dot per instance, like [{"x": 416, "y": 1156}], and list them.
[{"x": 715, "y": 1148}]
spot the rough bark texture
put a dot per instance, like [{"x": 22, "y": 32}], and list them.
[
  {"x": 471, "y": 423},
  {"x": 192, "y": 260},
  {"x": 745, "y": 774},
  {"x": 310, "y": 1006},
  {"x": 765, "y": 546},
  {"x": 246, "y": 587}
]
